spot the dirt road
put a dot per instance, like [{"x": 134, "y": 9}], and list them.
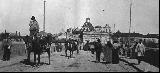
[{"x": 82, "y": 62}]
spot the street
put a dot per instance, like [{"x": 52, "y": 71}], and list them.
[{"x": 82, "y": 62}]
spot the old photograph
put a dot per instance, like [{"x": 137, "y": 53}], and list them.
[{"x": 79, "y": 35}]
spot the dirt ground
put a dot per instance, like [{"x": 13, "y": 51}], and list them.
[{"x": 82, "y": 62}]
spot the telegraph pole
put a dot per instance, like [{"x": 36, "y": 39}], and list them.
[
  {"x": 44, "y": 16},
  {"x": 130, "y": 17},
  {"x": 114, "y": 28},
  {"x": 130, "y": 21}
]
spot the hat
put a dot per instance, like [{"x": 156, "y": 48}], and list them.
[{"x": 33, "y": 18}]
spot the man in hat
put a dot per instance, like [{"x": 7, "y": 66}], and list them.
[{"x": 34, "y": 27}]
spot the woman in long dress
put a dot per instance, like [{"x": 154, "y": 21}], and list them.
[{"x": 108, "y": 52}]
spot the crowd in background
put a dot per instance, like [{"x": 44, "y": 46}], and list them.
[{"x": 113, "y": 51}]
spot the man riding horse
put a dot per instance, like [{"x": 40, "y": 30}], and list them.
[
  {"x": 34, "y": 27},
  {"x": 36, "y": 43}
]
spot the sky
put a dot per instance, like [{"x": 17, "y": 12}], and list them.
[{"x": 62, "y": 14}]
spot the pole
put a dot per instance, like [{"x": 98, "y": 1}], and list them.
[
  {"x": 109, "y": 34},
  {"x": 130, "y": 17},
  {"x": 114, "y": 27},
  {"x": 44, "y": 16},
  {"x": 130, "y": 21}
]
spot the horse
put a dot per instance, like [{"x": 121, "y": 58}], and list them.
[
  {"x": 58, "y": 47},
  {"x": 45, "y": 44},
  {"x": 37, "y": 45},
  {"x": 71, "y": 46}
]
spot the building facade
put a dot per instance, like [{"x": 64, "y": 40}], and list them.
[{"x": 91, "y": 33}]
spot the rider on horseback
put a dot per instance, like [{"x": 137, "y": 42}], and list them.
[
  {"x": 34, "y": 27},
  {"x": 36, "y": 42}
]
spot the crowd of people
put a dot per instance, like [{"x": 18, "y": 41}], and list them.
[
  {"x": 134, "y": 51},
  {"x": 109, "y": 50},
  {"x": 113, "y": 51}
]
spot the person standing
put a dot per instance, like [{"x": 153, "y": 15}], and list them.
[
  {"x": 134, "y": 50},
  {"x": 140, "y": 48},
  {"x": 86, "y": 46},
  {"x": 115, "y": 54},
  {"x": 98, "y": 49},
  {"x": 121, "y": 50},
  {"x": 125, "y": 50},
  {"x": 4, "y": 48},
  {"x": 7, "y": 49},
  {"x": 34, "y": 27},
  {"x": 108, "y": 52}
]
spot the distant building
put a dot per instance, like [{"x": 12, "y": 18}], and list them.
[
  {"x": 124, "y": 37},
  {"x": 87, "y": 27},
  {"x": 151, "y": 37},
  {"x": 3, "y": 35},
  {"x": 132, "y": 37},
  {"x": 13, "y": 36},
  {"x": 91, "y": 33}
]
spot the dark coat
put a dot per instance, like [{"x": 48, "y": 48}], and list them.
[{"x": 98, "y": 47}]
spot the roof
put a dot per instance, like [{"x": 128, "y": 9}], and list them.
[
  {"x": 127, "y": 35},
  {"x": 98, "y": 27},
  {"x": 119, "y": 34},
  {"x": 88, "y": 25},
  {"x": 151, "y": 36}
]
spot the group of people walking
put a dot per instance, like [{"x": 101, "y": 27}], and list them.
[
  {"x": 139, "y": 51},
  {"x": 109, "y": 50},
  {"x": 134, "y": 51}
]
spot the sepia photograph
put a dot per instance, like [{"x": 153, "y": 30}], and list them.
[{"x": 79, "y": 35}]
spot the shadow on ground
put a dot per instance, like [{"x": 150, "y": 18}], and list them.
[
  {"x": 67, "y": 56},
  {"x": 132, "y": 65},
  {"x": 26, "y": 62},
  {"x": 101, "y": 62}
]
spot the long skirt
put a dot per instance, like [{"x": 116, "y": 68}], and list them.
[
  {"x": 108, "y": 55},
  {"x": 115, "y": 56}
]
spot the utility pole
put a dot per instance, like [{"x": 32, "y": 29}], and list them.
[
  {"x": 130, "y": 21},
  {"x": 44, "y": 16},
  {"x": 114, "y": 28},
  {"x": 130, "y": 17}
]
